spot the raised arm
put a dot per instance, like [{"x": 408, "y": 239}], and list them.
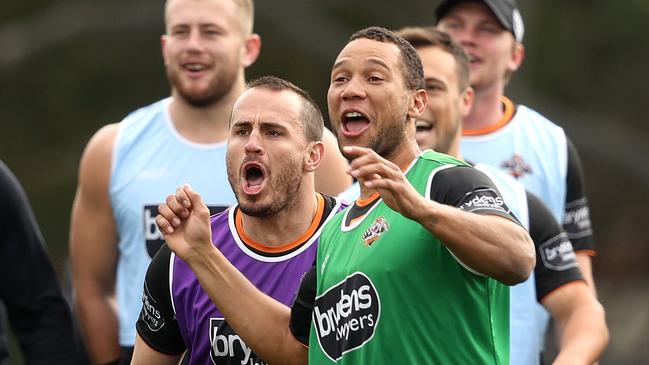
[
  {"x": 93, "y": 249},
  {"x": 261, "y": 321},
  {"x": 331, "y": 177},
  {"x": 490, "y": 244}
]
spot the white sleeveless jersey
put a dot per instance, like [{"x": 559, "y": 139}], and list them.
[
  {"x": 524, "y": 346},
  {"x": 150, "y": 161},
  {"x": 535, "y": 151}
]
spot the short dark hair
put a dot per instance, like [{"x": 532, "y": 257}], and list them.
[
  {"x": 413, "y": 71},
  {"x": 313, "y": 122},
  {"x": 421, "y": 37}
]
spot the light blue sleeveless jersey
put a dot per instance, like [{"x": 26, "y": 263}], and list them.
[
  {"x": 535, "y": 151},
  {"x": 150, "y": 161},
  {"x": 523, "y": 343}
]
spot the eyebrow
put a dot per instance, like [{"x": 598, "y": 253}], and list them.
[
  {"x": 263, "y": 124},
  {"x": 374, "y": 61}
]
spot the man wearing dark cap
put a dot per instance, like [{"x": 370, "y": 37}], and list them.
[{"x": 513, "y": 137}]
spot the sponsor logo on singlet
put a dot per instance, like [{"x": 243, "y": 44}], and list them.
[
  {"x": 152, "y": 236},
  {"x": 516, "y": 166},
  {"x": 484, "y": 199},
  {"x": 375, "y": 231},
  {"x": 150, "y": 313},
  {"x": 557, "y": 253},
  {"x": 227, "y": 347},
  {"x": 346, "y": 315},
  {"x": 576, "y": 221}
]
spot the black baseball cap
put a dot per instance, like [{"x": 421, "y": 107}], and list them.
[{"x": 506, "y": 11}]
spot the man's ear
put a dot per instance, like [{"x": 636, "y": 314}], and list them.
[
  {"x": 313, "y": 159},
  {"x": 517, "y": 56},
  {"x": 251, "y": 49},
  {"x": 466, "y": 101},
  {"x": 418, "y": 103},
  {"x": 163, "y": 48}
]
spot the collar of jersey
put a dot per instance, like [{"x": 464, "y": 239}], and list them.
[
  {"x": 285, "y": 247},
  {"x": 508, "y": 113}
]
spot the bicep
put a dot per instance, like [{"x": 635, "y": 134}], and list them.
[
  {"x": 157, "y": 324},
  {"x": 576, "y": 220},
  {"x": 145, "y": 354},
  {"x": 93, "y": 238},
  {"x": 468, "y": 189},
  {"x": 556, "y": 264}
]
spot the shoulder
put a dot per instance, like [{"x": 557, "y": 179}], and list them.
[
  {"x": 12, "y": 195},
  {"x": 535, "y": 119},
  {"x": 96, "y": 158}
]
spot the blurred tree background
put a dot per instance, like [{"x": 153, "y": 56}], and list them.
[{"x": 70, "y": 66}]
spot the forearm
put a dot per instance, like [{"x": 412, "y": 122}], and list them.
[
  {"x": 99, "y": 324},
  {"x": 261, "y": 321},
  {"x": 583, "y": 335},
  {"x": 586, "y": 266},
  {"x": 490, "y": 245}
]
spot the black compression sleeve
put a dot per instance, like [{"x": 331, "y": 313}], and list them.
[
  {"x": 302, "y": 309},
  {"x": 576, "y": 221},
  {"x": 468, "y": 189},
  {"x": 38, "y": 314},
  {"x": 555, "y": 259},
  {"x": 157, "y": 323}
]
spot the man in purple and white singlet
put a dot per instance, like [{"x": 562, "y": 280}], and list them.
[{"x": 275, "y": 145}]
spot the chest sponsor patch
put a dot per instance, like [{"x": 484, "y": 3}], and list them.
[
  {"x": 227, "y": 348},
  {"x": 346, "y": 315},
  {"x": 152, "y": 236},
  {"x": 557, "y": 253}
]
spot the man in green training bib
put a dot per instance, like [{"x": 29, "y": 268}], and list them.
[{"x": 415, "y": 271}]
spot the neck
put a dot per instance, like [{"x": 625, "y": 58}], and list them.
[
  {"x": 487, "y": 109},
  {"x": 402, "y": 157},
  {"x": 454, "y": 151},
  {"x": 293, "y": 222},
  {"x": 207, "y": 124}
]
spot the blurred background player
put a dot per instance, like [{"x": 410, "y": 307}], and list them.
[
  {"x": 557, "y": 283},
  {"x": 29, "y": 290},
  {"x": 128, "y": 168},
  {"x": 512, "y": 137}
]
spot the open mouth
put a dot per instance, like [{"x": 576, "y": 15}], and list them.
[
  {"x": 194, "y": 68},
  {"x": 354, "y": 123},
  {"x": 474, "y": 60},
  {"x": 424, "y": 126},
  {"x": 254, "y": 178}
]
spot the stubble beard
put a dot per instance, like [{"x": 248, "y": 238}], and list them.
[
  {"x": 219, "y": 86},
  {"x": 282, "y": 190}
]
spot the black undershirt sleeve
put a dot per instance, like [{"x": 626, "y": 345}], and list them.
[
  {"x": 302, "y": 309},
  {"x": 157, "y": 324},
  {"x": 576, "y": 220},
  {"x": 37, "y": 312},
  {"x": 470, "y": 190},
  {"x": 555, "y": 259}
]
